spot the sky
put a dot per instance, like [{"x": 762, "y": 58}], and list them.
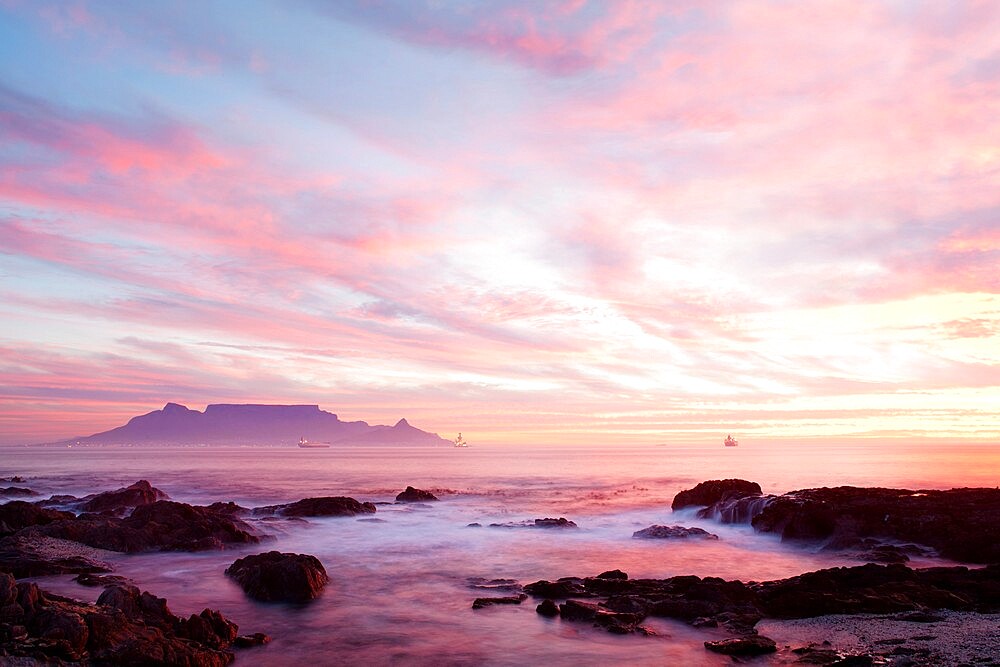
[{"x": 530, "y": 221}]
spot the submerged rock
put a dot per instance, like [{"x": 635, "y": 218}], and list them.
[
  {"x": 412, "y": 495},
  {"x": 479, "y": 603},
  {"x": 18, "y": 491},
  {"x": 749, "y": 645},
  {"x": 561, "y": 522},
  {"x": 280, "y": 577},
  {"x": 713, "y": 491},
  {"x": 324, "y": 506},
  {"x": 658, "y": 532}
]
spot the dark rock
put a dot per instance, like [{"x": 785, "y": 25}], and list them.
[
  {"x": 712, "y": 491},
  {"x": 612, "y": 574},
  {"x": 412, "y": 495},
  {"x": 963, "y": 524},
  {"x": 561, "y": 522},
  {"x": 494, "y": 584},
  {"x": 885, "y": 553},
  {"x": 474, "y": 524},
  {"x": 19, "y": 514},
  {"x": 228, "y": 509},
  {"x": 283, "y": 577},
  {"x": 324, "y": 506},
  {"x": 564, "y": 588},
  {"x": 102, "y": 580},
  {"x": 160, "y": 526},
  {"x": 126, "y": 627},
  {"x": 249, "y": 641},
  {"x": 574, "y": 610},
  {"x": 741, "y": 646},
  {"x": 17, "y": 491},
  {"x": 140, "y": 493},
  {"x": 673, "y": 532},
  {"x": 479, "y": 603},
  {"x": 547, "y": 608}
]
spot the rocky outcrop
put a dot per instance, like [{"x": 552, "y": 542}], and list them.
[
  {"x": 19, "y": 514},
  {"x": 963, "y": 524},
  {"x": 33, "y": 555},
  {"x": 479, "y": 603},
  {"x": 743, "y": 646},
  {"x": 324, "y": 506},
  {"x": 713, "y": 491},
  {"x": 658, "y": 532},
  {"x": 280, "y": 577},
  {"x": 17, "y": 491},
  {"x": 412, "y": 495},
  {"x": 125, "y": 627},
  {"x": 140, "y": 493},
  {"x": 160, "y": 526},
  {"x": 710, "y": 601}
]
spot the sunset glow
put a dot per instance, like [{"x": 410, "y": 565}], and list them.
[{"x": 560, "y": 222}]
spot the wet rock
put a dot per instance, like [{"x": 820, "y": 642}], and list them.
[
  {"x": 126, "y": 627},
  {"x": 228, "y": 509},
  {"x": 140, "y": 493},
  {"x": 575, "y": 610},
  {"x": 566, "y": 587},
  {"x": 612, "y": 574},
  {"x": 101, "y": 580},
  {"x": 548, "y": 608},
  {"x": 713, "y": 491},
  {"x": 19, "y": 514},
  {"x": 474, "y": 524},
  {"x": 547, "y": 522},
  {"x": 963, "y": 524},
  {"x": 249, "y": 641},
  {"x": 282, "y": 577},
  {"x": 163, "y": 525},
  {"x": 885, "y": 553},
  {"x": 412, "y": 495},
  {"x": 18, "y": 491},
  {"x": 743, "y": 646},
  {"x": 479, "y": 603},
  {"x": 673, "y": 532},
  {"x": 494, "y": 584},
  {"x": 324, "y": 506},
  {"x": 31, "y": 555}
]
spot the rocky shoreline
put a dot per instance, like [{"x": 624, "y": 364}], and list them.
[{"x": 64, "y": 534}]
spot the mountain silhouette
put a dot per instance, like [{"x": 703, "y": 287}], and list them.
[{"x": 255, "y": 424}]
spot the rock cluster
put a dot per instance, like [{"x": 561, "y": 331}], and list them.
[{"x": 125, "y": 627}]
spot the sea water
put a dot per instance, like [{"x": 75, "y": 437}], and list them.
[{"x": 400, "y": 588}]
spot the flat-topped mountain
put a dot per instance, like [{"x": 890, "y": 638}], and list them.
[{"x": 256, "y": 424}]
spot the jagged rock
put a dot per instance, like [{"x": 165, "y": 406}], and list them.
[
  {"x": 125, "y": 627},
  {"x": 140, "y": 493},
  {"x": 160, "y": 526},
  {"x": 963, "y": 524},
  {"x": 18, "y": 514},
  {"x": 479, "y": 603},
  {"x": 283, "y": 577},
  {"x": 324, "y": 506},
  {"x": 575, "y": 610},
  {"x": 228, "y": 509},
  {"x": 749, "y": 645},
  {"x": 412, "y": 495},
  {"x": 712, "y": 491},
  {"x": 567, "y": 587},
  {"x": 673, "y": 532}
]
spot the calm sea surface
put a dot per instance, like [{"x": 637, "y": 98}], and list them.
[{"x": 400, "y": 588}]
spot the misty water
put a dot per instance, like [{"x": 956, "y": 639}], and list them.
[{"x": 400, "y": 585}]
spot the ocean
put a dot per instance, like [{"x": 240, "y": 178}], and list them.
[{"x": 400, "y": 588}]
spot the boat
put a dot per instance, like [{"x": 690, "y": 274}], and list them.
[
  {"x": 305, "y": 444},
  {"x": 460, "y": 441},
  {"x": 730, "y": 441}
]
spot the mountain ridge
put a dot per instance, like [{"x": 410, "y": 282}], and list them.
[{"x": 254, "y": 423}]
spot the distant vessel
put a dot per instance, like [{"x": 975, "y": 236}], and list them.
[
  {"x": 731, "y": 441},
  {"x": 305, "y": 444},
  {"x": 460, "y": 441}
]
